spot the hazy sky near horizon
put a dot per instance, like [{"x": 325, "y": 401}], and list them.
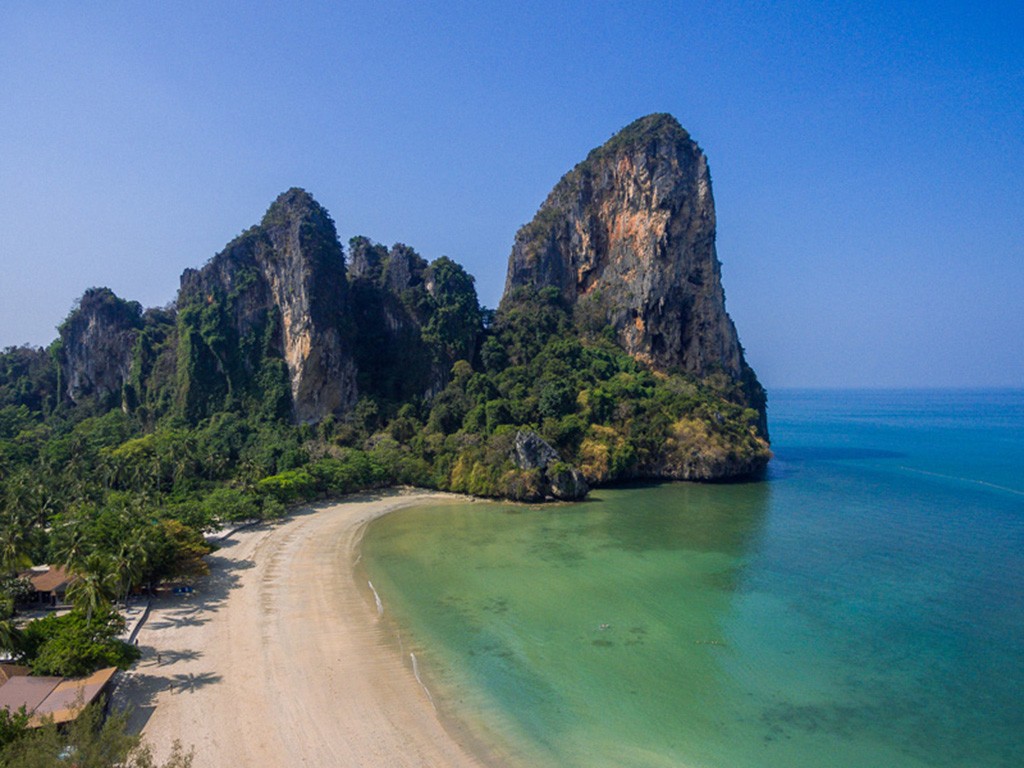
[{"x": 867, "y": 158}]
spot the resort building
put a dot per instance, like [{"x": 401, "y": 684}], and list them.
[
  {"x": 50, "y": 583},
  {"x": 57, "y": 699}
]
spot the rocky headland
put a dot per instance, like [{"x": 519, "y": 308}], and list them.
[{"x": 628, "y": 239}]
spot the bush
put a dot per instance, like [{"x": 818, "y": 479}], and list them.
[
  {"x": 231, "y": 505},
  {"x": 72, "y": 645},
  {"x": 289, "y": 486}
]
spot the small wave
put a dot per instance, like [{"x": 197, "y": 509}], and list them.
[
  {"x": 972, "y": 480},
  {"x": 376, "y": 597},
  {"x": 416, "y": 672}
]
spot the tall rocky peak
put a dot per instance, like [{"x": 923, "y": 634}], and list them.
[
  {"x": 628, "y": 238},
  {"x": 389, "y": 305},
  {"x": 280, "y": 290},
  {"x": 413, "y": 319},
  {"x": 306, "y": 271},
  {"x": 96, "y": 344}
]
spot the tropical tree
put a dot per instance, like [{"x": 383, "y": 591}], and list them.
[
  {"x": 74, "y": 644},
  {"x": 93, "y": 740},
  {"x": 10, "y": 637},
  {"x": 71, "y": 541},
  {"x": 94, "y": 587},
  {"x": 13, "y": 726},
  {"x": 13, "y": 540},
  {"x": 132, "y": 558}
]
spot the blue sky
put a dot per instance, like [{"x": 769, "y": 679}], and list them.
[{"x": 867, "y": 159}]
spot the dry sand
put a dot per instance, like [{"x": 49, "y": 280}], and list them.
[{"x": 278, "y": 658}]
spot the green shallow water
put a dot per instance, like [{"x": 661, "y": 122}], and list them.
[{"x": 862, "y": 607}]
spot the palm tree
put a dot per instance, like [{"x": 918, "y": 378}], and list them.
[
  {"x": 94, "y": 586},
  {"x": 13, "y": 538},
  {"x": 45, "y": 499},
  {"x": 71, "y": 540},
  {"x": 131, "y": 559},
  {"x": 10, "y": 637}
]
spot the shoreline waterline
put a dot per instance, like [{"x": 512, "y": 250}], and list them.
[{"x": 280, "y": 657}]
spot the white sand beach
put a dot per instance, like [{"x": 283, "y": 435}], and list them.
[{"x": 279, "y": 659}]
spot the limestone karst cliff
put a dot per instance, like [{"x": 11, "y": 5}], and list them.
[
  {"x": 278, "y": 304},
  {"x": 628, "y": 239},
  {"x": 414, "y": 319},
  {"x": 387, "y": 289},
  {"x": 277, "y": 291},
  {"x": 95, "y": 352}
]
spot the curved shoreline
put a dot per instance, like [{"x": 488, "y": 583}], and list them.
[{"x": 278, "y": 658}]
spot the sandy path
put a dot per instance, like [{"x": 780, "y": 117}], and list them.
[{"x": 278, "y": 660}]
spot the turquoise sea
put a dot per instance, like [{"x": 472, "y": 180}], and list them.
[{"x": 862, "y": 606}]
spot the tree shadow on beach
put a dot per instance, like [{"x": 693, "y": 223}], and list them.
[
  {"x": 154, "y": 658},
  {"x": 191, "y": 618},
  {"x": 190, "y": 682},
  {"x": 207, "y": 595},
  {"x": 142, "y": 690}
]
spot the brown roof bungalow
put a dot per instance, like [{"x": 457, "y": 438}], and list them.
[
  {"x": 50, "y": 582},
  {"x": 59, "y": 699}
]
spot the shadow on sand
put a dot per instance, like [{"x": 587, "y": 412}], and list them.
[{"x": 154, "y": 673}]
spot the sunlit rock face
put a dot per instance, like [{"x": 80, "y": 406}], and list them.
[
  {"x": 305, "y": 270},
  {"x": 628, "y": 238},
  {"x": 96, "y": 343},
  {"x": 282, "y": 286}
]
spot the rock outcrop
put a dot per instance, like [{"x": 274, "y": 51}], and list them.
[
  {"x": 389, "y": 300},
  {"x": 628, "y": 239},
  {"x": 557, "y": 479},
  {"x": 414, "y": 319},
  {"x": 96, "y": 344},
  {"x": 278, "y": 290},
  {"x": 305, "y": 269}
]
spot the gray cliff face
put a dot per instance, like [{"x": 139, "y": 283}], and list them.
[
  {"x": 628, "y": 238},
  {"x": 97, "y": 342},
  {"x": 288, "y": 272},
  {"x": 235, "y": 271},
  {"x": 557, "y": 480}
]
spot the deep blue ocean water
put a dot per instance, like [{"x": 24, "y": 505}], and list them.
[{"x": 862, "y": 606}]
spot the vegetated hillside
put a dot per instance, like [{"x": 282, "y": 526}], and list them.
[{"x": 282, "y": 373}]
